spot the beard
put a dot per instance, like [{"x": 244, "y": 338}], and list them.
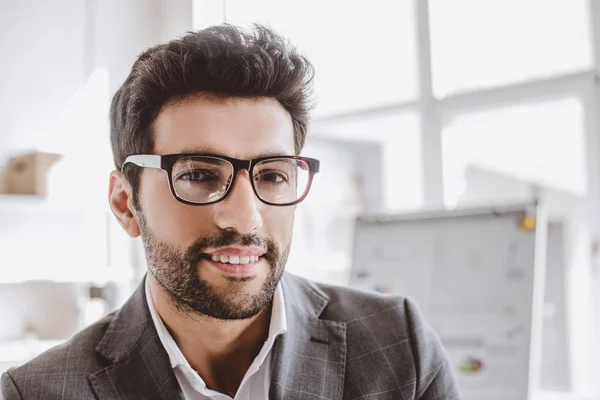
[{"x": 177, "y": 272}]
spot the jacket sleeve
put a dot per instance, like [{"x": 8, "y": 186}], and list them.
[
  {"x": 435, "y": 376},
  {"x": 8, "y": 389}
]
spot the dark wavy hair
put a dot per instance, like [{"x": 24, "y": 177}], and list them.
[{"x": 222, "y": 61}]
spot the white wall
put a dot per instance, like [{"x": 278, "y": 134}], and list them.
[
  {"x": 52, "y": 97},
  {"x": 50, "y": 48},
  {"x": 42, "y": 47},
  {"x": 121, "y": 30}
]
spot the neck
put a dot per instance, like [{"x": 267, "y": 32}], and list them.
[{"x": 221, "y": 351}]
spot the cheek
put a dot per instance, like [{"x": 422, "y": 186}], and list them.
[{"x": 169, "y": 219}]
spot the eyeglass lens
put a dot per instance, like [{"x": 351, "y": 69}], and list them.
[{"x": 207, "y": 179}]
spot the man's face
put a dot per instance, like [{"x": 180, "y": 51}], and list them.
[{"x": 181, "y": 239}]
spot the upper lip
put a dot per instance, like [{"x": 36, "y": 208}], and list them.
[{"x": 236, "y": 251}]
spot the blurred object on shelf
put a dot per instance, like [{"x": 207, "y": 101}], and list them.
[
  {"x": 3, "y": 180},
  {"x": 27, "y": 174}
]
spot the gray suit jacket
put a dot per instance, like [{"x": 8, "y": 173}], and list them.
[{"x": 340, "y": 344}]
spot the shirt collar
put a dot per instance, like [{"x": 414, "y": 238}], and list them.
[{"x": 277, "y": 326}]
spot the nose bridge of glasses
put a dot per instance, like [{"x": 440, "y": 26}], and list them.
[{"x": 239, "y": 165}]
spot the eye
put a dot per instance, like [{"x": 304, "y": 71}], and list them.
[
  {"x": 198, "y": 175},
  {"x": 272, "y": 177}
]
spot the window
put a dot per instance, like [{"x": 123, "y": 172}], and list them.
[
  {"x": 364, "y": 53},
  {"x": 539, "y": 142},
  {"x": 478, "y": 44}
]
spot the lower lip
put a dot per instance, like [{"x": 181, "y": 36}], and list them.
[{"x": 237, "y": 269}]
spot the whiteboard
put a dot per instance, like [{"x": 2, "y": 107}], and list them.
[{"x": 478, "y": 276}]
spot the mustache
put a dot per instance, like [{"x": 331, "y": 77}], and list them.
[{"x": 230, "y": 238}]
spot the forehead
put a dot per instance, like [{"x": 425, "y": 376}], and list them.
[{"x": 241, "y": 128}]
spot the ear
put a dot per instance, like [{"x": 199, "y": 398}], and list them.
[{"x": 120, "y": 197}]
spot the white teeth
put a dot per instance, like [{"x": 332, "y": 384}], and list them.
[
  {"x": 244, "y": 259},
  {"x": 235, "y": 259}
]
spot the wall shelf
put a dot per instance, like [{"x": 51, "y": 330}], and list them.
[{"x": 23, "y": 201}]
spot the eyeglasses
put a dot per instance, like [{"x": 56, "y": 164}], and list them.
[{"x": 203, "y": 179}]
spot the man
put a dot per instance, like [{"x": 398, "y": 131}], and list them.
[{"x": 206, "y": 132}]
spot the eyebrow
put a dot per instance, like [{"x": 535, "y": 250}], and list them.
[{"x": 267, "y": 153}]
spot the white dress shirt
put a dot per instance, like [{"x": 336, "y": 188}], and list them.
[{"x": 256, "y": 382}]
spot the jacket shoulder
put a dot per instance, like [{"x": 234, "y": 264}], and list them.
[
  {"x": 389, "y": 335},
  {"x": 346, "y": 304}
]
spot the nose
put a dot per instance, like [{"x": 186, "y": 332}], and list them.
[{"x": 239, "y": 210}]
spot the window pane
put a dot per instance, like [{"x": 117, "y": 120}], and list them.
[
  {"x": 364, "y": 52},
  {"x": 486, "y": 154},
  {"x": 488, "y": 43}
]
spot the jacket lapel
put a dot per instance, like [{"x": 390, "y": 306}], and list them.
[
  {"x": 141, "y": 368},
  {"x": 309, "y": 360}
]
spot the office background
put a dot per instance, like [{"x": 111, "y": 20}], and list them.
[{"x": 421, "y": 104}]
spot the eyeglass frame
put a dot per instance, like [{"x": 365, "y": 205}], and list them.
[{"x": 166, "y": 163}]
